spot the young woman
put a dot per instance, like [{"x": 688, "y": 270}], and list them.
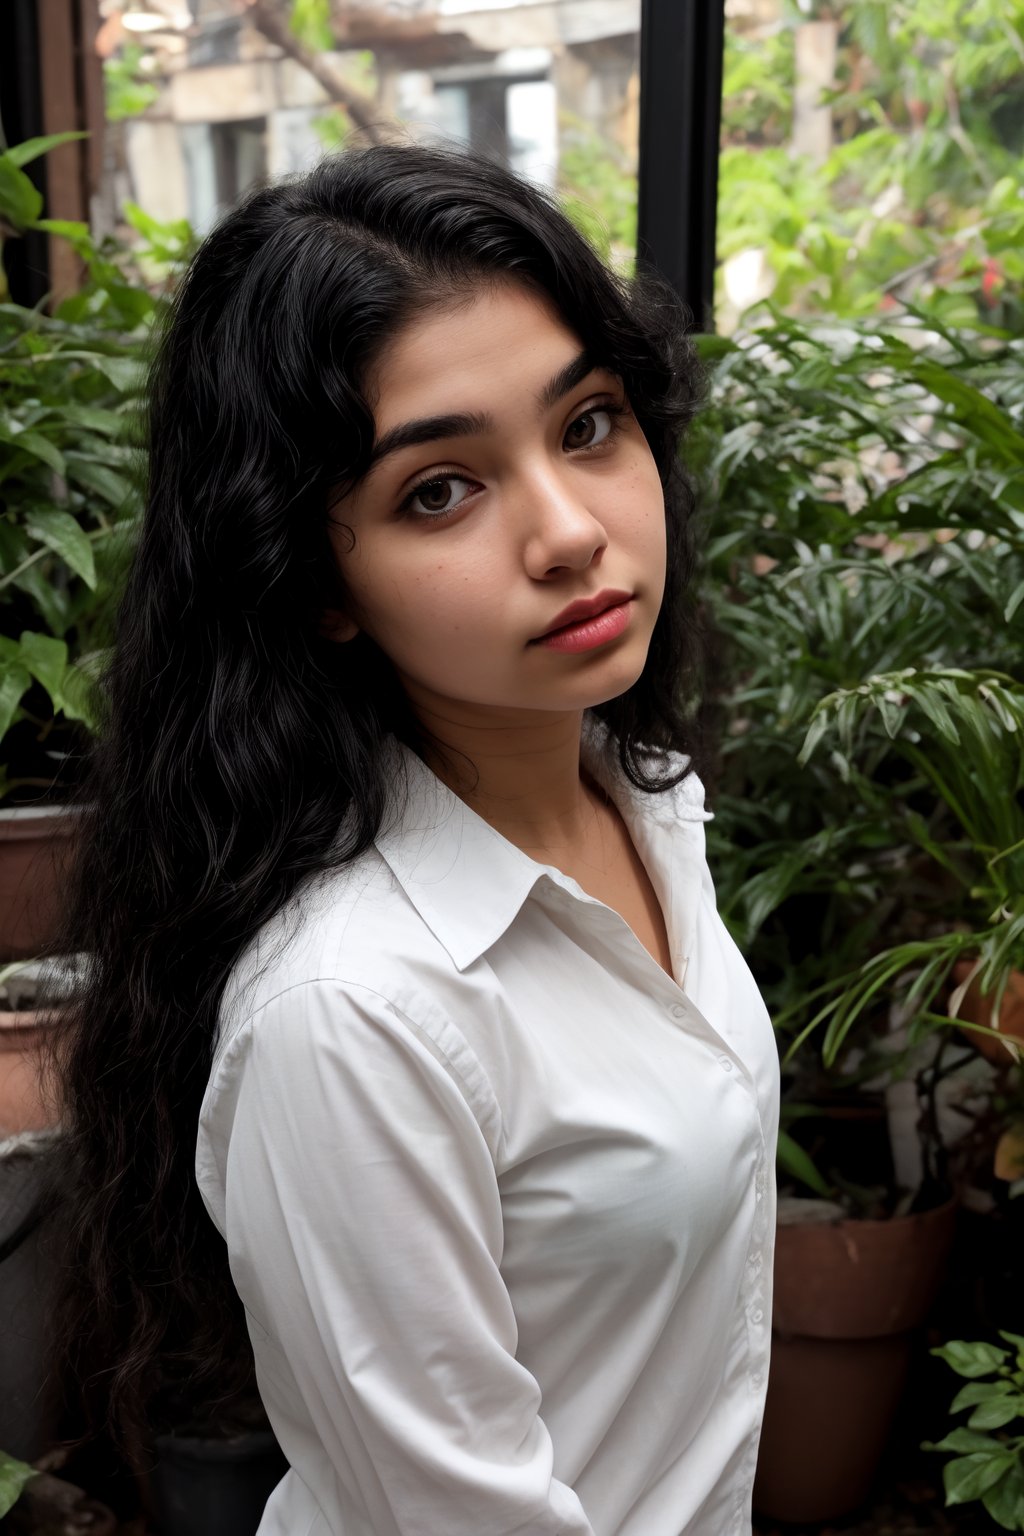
[{"x": 396, "y": 894}]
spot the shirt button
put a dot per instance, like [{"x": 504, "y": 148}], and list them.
[
  {"x": 757, "y": 1316},
  {"x": 677, "y": 1010},
  {"x": 725, "y": 1063},
  {"x": 756, "y": 1379}
]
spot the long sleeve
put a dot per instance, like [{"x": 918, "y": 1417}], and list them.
[{"x": 364, "y": 1227}]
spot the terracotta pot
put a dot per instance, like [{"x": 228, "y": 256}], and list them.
[
  {"x": 847, "y": 1298},
  {"x": 33, "y": 846},
  {"x": 977, "y": 1009},
  {"x": 25, "y": 1104}
]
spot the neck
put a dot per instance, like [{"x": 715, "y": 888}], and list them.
[{"x": 523, "y": 775}]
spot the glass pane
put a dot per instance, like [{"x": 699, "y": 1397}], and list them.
[
  {"x": 872, "y": 156},
  {"x": 212, "y": 99}
]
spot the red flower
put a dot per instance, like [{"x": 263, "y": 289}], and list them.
[{"x": 991, "y": 282}]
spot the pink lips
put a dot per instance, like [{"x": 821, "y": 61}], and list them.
[{"x": 587, "y": 633}]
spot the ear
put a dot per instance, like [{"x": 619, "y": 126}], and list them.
[{"x": 335, "y": 625}]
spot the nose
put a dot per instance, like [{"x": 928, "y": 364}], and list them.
[{"x": 562, "y": 533}]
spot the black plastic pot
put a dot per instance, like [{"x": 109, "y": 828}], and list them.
[
  {"x": 208, "y": 1487},
  {"x": 29, "y": 1402}
]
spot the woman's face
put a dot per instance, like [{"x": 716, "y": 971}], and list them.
[{"x": 511, "y": 480}]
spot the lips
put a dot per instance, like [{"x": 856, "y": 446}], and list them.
[{"x": 583, "y": 609}]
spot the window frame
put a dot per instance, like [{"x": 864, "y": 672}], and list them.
[{"x": 681, "y": 63}]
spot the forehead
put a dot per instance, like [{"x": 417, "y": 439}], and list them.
[{"x": 448, "y": 357}]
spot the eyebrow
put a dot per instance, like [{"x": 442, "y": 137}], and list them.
[{"x": 429, "y": 429}]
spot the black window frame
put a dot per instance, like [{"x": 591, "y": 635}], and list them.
[{"x": 681, "y": 52}]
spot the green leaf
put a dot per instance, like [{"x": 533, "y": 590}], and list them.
[
  {"x": 996, "y": 1413},
  {"x": 1016, "y": 598},
  {"x": 795, "y": 1161},
  {"x": 767, "y": 889},
  {"x": 20, "y": 202},
  {"x": 14, "y": 683},
  {"x": 971, "y": 1359},
  {"x": 68, "y": 229},
  {"x": 968, "y": 1441},
  {"x": 973, "y": 409},
  {"x": 311, "y": 23},
  {"x": 36, "y": 444},
  {"x": 169, "y": 237},
  {"x": 47, "y": 660},
  {"x": 13, "y": 1477},
  {"x": 100, "y": 478},
  {"x": 51, "y": 602},
  {"x": 968, "y": 1477},
  {"x": 926, "y": 697},
  {"x": 62, "y": 533},
  {"x": 1004, "y": 1501},
  {"x": 31, "y": 149},
  {"x": 93, "y": 417},
  {"x": 125, "y": 373},
  {"x": 979, "y": 1392},
  {"x": 818, "y": 728},
  {"x": 77, "y": 697}
]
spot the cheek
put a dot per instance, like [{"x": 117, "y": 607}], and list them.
[
  {"x": 425, "y": 601},
  {"x": 645, "y": 501}
]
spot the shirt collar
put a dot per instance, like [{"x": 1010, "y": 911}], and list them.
[{"x": 466, "y": 880}]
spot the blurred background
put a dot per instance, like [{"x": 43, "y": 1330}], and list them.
[{"x": 850, "y": 154}]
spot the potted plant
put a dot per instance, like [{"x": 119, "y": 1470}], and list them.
[
  {"x": 849, "y": 1294},
  {"x": 70, "y": 477},
  {"x": 29, "y": 1216},
  {"x": 863, "y": 484},
  {"x": 213, "y": 1475},
  {"x": 988, "y": 1450},
  {"x": 70, "y": 387}
]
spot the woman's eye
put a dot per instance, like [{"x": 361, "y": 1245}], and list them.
[
  {"x": 436, "y": 497},
  {"x": 593, "y": 427},
  {"x": 441, "y": 495}
]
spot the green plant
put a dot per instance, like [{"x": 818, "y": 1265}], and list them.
[
  {"x": 127, "y": 91},
  {"x": 972, "y": 763},
  {"x": 13, "y": 1477},
  {"x": 987, "y": 1466},
  {"x": 920, "y": 190},
  {"x": 598, "y": 189},
  {"x": 70, "y": 388},
  {"x": 863, "y": 484}
]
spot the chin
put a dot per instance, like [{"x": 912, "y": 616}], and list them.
[{"x": 606, "y": 683}]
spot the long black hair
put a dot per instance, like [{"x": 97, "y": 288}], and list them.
[{"x": 235, "y": 737}]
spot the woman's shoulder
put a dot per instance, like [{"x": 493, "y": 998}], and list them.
[{"x": 350, "y": 927}]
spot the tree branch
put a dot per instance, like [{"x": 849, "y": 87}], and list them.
[{"x": 363, "y": 111}]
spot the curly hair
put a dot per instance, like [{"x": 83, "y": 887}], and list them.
[{"x": 235, "y": 737}]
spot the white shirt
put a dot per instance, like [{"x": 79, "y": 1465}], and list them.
[{"x": 498, "y": 1194}]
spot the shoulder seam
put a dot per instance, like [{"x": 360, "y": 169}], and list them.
[{"x": 244, "y": 1029}]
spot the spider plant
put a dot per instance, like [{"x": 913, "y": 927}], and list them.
[{"x": 862, "y": 487}]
